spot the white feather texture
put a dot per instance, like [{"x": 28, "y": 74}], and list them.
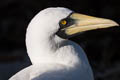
[{"x": 52, "y": 57}]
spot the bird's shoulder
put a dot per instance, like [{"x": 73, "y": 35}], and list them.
[
  {"x": 50, "y": 72},
  {"x": 41, "y": 72},
  {"x": 22, "y": 75},
  {"x": 58, "y": 72}
]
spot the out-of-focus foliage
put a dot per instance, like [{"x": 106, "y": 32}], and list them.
[{"x": 101, "y": 46}]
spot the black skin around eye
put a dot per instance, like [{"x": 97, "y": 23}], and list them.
[
  {"x": 69, "y": 22},
  {"x": 61, "y": 31}
]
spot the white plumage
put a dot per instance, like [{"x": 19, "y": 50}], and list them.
[{"x": 52, "y": 57}]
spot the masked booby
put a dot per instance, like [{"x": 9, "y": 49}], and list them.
[{"x": 53, "y": 56}]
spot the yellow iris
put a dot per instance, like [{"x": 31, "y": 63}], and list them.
[{"x": 63, "y": 22}]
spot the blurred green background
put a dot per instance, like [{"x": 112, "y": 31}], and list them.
[{"x": 101, "y": 46}]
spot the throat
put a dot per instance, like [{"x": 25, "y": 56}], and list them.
[{"x": 43, "y": 49}]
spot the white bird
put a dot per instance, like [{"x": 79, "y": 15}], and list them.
[{"x": 53, "y": 56}]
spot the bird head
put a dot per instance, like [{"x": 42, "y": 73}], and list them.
[
  {"x": 66, "y": 23},
  {"x": 61, "y": 23}
]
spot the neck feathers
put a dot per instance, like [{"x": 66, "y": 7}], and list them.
[{"x": 50, "y": 49}]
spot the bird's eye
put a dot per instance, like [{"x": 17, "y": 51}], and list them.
[{"x": 63, "y": 22}]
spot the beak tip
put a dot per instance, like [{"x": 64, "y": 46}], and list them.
[{"x": 115, "y": 24}]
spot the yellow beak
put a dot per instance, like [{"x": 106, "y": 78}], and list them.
[{"x": 85, "y": 23}]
